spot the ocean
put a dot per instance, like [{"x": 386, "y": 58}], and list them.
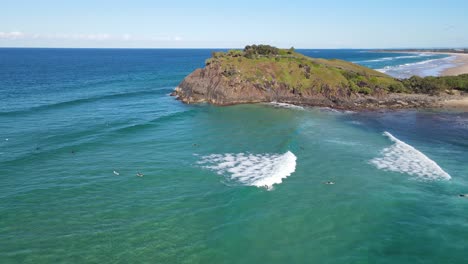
[{"x": 98, "y": 164}]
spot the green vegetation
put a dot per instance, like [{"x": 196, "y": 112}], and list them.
[
  {"x": 269, "y": 67},
  {"x": 435, "y": 85}
]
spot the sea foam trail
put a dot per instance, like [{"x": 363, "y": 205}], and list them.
[
  {"x": 285, "y": 105},
  {"x": 261, "y": 170},
  {"x": 432, "y": 67},
  {"x": 403, "y": 158}
]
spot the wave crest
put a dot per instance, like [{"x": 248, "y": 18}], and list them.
[
  {"x": 260, "y": 170},
  {"x": 403, "y": 158},
  {"x": 285, "y": 105}
]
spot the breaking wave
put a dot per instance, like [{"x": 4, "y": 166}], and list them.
[
  {"x": 403, "y": 158},
  {"x": 285, "y": 105},
  {"x": 260, "y": 170},
  {"x": 431, "y": 67},
  {"x": 394, "y": 58}
]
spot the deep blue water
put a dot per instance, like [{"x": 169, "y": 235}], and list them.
[{"x": 240, "y": 184}]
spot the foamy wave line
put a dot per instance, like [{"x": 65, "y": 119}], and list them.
[
  {"x": 387, "y": 68},
  {"x": 285, "y": 105},
  {"x": 408, "y": 69},
  {"x": 395, "y": 58},
  {"x": 260, "y": 170},
  {"x": 403, "y": 158}
]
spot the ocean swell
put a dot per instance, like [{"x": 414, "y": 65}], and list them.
[
  {"x": 403, "y": 158},
  {"x": 79, "y": 101},
  {"x": 260, "y": 170}
]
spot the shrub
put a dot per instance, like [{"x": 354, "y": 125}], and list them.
[
  {"x": 397, "y": 87},
  {"x": 265, "y": 50}
]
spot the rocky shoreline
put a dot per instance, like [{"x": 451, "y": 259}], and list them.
[
  {"x": 362, "y": 103},
  {"x": 203, "y": 86}
]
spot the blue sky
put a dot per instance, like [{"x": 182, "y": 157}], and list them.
[{"x": 230, "y": 24}]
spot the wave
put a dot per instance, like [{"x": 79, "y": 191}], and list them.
[
  {"x": 157, "y": 121},
  {"x": 408, "y": 64},
  {"x": 82, "y": 101},
  {"x": 403, "y": 158},
  {"x": 260, "y": 170},
  {"x": 394, "y": 58},
  {"x": 285, "y": 105},
  {"x": 431, "y": 67},
  {"x": 79, "y": 139}
]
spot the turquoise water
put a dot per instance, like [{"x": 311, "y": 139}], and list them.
[{"x": 70, "y": 118}]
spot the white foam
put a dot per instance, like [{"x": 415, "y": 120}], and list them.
[
  {"x": 333, "y": 110},
  {"x": 261, "y": 170},
  {"x": 285, "y": 105},
  {"x": 395, "y": 58},
  {"x": 432, "y": 67},
  {"x": 403, "y": 158}
]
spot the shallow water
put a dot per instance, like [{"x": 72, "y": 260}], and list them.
[{"x": 239, "y": 184}]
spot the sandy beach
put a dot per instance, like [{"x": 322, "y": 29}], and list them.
[{"x": 461, "y": 67}]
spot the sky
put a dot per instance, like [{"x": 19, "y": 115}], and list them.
[{"x": 234, "y": 24}]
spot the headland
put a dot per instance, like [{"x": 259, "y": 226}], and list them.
[{"x": 264, "y": 74}]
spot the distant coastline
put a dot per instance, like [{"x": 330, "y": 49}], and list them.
[
  {"x": 461, "y": 66},
  {"x": 445, "y": 51},
  {"x": 460, "y": 60}
]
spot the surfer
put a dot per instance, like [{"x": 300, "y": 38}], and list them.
[
  {"x": 464, "y": 195},
  {"x": 116, "y": 173},
  {"x": 139, "y": 174}
]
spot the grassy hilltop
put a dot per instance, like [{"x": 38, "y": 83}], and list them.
[{"x": 264, "y": 64}]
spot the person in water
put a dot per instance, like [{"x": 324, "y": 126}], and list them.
[
  {"x": 329, "y": 182},
  {"x": 139, "y": 174},
  {"x": 464, "y": 195}
]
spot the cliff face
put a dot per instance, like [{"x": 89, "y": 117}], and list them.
[
  {"x": 212, "y": 86},
  {"x": 285, "y": 76}
]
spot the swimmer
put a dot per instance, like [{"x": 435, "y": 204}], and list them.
[
  {"x": 329, "y": 182},
  {"x": 139, "y": 174},
  {"x": 464, "y": 195}
]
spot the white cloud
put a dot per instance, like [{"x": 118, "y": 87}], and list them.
[
  {"x": 126, "y": 36},
  {"x": 96, "y": 37},
  {"x": 11, "y": 35},
  {"x": 103, "y": 40},
  {"x": 165, "y": 38},
  {"x": 86, "y": 37}
]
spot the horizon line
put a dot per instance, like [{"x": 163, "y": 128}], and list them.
[{"x": 226, "y": 48}]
